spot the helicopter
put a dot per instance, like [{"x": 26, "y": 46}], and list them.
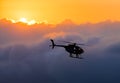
[{"x": 71, "y": 48}]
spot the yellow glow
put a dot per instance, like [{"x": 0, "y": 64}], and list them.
[{"x": 31, "y": 22}]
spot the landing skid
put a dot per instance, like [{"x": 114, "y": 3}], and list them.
[{"x": 78, "y": 57}]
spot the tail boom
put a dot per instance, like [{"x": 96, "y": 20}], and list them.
[{"x": 53, "y": 44}]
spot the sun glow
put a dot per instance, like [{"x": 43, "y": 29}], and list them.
[
  {"x": 24, "y": 20},
  {"x": 28, "y": 22}
]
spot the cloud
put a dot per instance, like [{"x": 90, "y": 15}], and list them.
[
  {"x": 114, "y": 49},
  {"x": 24, "y": 64},
  {"x": 25, "y": 55}
]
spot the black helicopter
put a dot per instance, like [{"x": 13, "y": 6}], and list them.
[{"x": 72, "y": 48}]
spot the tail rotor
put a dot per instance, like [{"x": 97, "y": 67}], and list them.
[{"x": 53, "y": 44}]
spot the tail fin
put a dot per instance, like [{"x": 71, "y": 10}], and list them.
[{"x": 53, "y": 44}]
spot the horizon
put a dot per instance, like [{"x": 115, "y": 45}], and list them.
[{"x": 65, "y": 21}]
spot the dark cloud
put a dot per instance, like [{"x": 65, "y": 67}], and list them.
[
  {"x": 23, "y": 64},
  {"x": 115, "y": 48},
  {"x": 25, "y": 55}
]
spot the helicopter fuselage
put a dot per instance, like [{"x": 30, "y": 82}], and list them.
[{"x": 72, "y": 49}]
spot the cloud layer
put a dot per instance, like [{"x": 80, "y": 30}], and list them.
[{"x": 25, "y": 56}]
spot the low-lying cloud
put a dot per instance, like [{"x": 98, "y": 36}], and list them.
[{"x": 25, "y": 55}]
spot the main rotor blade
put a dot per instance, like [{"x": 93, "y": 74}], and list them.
[
  {"x": 71, "y": 42},
  {"x": 83, "y": 44},
  {"x": 65, "y": 41},
  {"x": 80, "y": 44}
]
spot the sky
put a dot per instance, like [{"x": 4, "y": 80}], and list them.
[
  {"x": 55, "y": 11},
  {"x": 26, "y": 27}
]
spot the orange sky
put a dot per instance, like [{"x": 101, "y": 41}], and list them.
[{"x": 55, "y": 11}]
